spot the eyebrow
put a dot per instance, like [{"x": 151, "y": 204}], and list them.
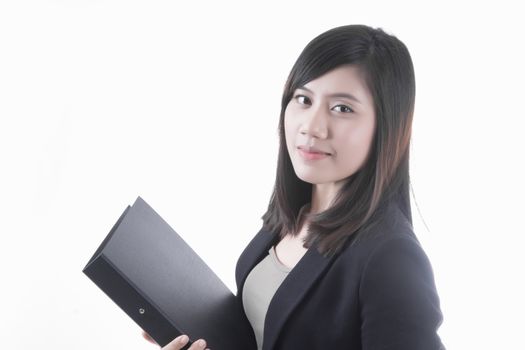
[{"x": 337, "y": 94}]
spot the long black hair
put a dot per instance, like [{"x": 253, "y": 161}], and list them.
[{"x": 389, "y": 76}]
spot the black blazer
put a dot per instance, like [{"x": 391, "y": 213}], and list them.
[{"x": 377, "y": 293}]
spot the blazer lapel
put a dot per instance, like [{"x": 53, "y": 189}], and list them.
[{"x": 290, "y": 293}]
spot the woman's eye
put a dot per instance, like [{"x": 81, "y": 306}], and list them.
[
  {"x": 302, "y": 99},
  {"x": 345, "y": 109}
]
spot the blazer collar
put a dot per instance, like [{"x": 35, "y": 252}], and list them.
[{"x": 292, "y": 290}]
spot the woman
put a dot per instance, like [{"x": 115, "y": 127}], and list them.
[{"x": 336, "y": 264}]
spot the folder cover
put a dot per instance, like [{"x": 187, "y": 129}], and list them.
[{"x": 154, "y": 276}]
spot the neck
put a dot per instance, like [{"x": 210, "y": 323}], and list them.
[{"x": 323, "y": 196}]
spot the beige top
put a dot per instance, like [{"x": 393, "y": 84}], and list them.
[{"x": 260, "y": 286}]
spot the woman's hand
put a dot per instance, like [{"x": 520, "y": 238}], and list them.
[
  {"x": 148, "y": 338},
  {"x": 178, "y": 343}
]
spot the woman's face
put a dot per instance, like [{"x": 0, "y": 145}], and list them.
[{"x": 329, "y": 126}]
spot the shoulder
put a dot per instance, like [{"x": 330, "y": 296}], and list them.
[
  {"x": 390, "y": 256},
  {"x": 398, "y": 264},
  {"x": 398, "y": 300},
  {"x": 389, "y": 237}
]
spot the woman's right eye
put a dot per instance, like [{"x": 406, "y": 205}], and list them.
[{"x": 302, "y": 99}]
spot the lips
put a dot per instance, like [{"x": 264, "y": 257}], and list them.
[{"x": 313, "y": 150}]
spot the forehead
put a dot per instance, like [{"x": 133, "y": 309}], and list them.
[{"x": 343, "y": 79}]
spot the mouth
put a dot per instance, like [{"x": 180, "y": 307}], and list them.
[
  {"x": 313, "y": 151},
  {"x": 312, "y": 155}
]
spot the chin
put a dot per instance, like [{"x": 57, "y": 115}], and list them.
[{"x": 311, "y": 178}]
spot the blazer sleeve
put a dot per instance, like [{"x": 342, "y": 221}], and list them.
[{"x": 399, "y": 304}]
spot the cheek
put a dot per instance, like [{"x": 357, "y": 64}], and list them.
[{"x": 356, "y": 143}]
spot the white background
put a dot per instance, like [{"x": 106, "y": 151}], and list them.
[{"x": 178, "y": 102}]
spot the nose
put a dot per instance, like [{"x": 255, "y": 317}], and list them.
[{"x": 315, "y": 124}]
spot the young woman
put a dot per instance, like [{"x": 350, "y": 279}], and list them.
[{"x": 336, "y": 264}]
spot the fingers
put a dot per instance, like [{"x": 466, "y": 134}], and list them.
[
  {"x": 198, "y": 345},
  {"x": 179, "y": 342},
  {"x": 148, "y": 338}
]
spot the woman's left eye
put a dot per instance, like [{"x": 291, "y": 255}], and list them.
[{"x": 344, "y": 109}]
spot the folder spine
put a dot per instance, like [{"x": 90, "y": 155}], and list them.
[{"x": 130, "y": 299}]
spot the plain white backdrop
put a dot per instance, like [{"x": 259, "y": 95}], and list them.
[{"x": 178, "y": 102}]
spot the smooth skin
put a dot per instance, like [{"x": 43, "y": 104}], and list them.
[
  {"x": 179, "y": 342},
  {"x": 335, "y": 114}
]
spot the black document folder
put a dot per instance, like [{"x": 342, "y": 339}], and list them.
[{"x": 148, "y": 270}]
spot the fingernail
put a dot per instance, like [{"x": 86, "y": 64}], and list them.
[
  {"x": 184, "y": 338},
  {"x": 201, "y": 342}
]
